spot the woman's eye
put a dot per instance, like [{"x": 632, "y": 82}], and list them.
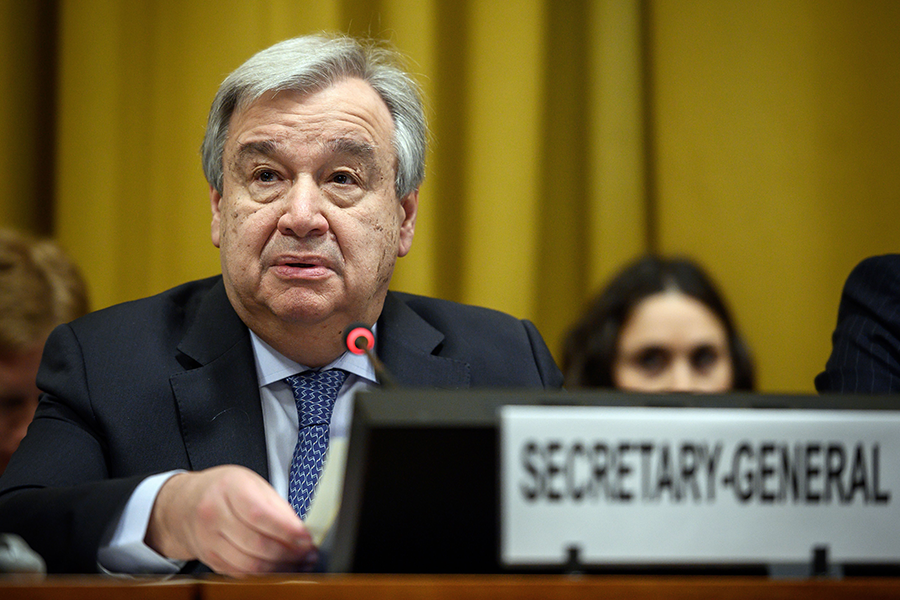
[
  {"x": 704, "y": 358},
  {"x": 652, "y": 360}
]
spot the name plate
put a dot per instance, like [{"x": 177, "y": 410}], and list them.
[{"x": 698, "y": 485}]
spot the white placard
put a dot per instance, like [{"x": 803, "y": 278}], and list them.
[{"x": 692, "y": 485}]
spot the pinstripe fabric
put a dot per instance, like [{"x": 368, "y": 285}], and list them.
[{"x": 865, "y": 356}]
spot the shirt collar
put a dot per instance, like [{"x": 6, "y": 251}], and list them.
[{"x": 272, "y": 366}]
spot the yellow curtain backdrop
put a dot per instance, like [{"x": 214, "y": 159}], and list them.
[
  {"x": 568, "y": 137},
  {"x": 27, "y": 46},
  {"x": 776, "y": 148}
]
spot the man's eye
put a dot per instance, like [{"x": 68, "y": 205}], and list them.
[
  {"x": 343, "y": 179},
  {"x": 267, "y": 176}
]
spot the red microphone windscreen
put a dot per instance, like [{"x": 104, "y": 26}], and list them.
[{"x": 359, "y": 338}]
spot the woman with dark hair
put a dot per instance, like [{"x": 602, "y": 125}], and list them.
[{"x": 659, "y": 326}]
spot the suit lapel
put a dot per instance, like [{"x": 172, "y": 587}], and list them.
[
  {"x": 218, "y": 396},
  {"x": 407, "y": 346}
]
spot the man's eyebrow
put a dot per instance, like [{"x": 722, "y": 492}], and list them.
[
  {"x": 362, "y": 151},
  {"x": 356, "y": 148},
  {"x": 263, "y": 147}
]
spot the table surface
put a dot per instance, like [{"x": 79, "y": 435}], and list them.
[{"x": 439, "y": 587}]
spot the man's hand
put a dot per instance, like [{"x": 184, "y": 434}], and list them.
[{"x": 232, "y": 520}]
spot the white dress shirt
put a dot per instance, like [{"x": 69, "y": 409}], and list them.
[
  {"x": 280, "y": 416},
  {"x": 126, "y": 551}
]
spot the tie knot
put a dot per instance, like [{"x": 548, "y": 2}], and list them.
[{"x": 315, "y": 393}]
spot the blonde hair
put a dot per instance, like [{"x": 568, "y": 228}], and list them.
[{"x": 40, "y": 287}]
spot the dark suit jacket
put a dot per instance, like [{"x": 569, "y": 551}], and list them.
[
  {"x": 865, "y": 355},
  {"x": 169, "y": 382}
]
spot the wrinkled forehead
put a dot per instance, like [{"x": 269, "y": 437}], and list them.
[
  {"x": 343, "y": 91},
  {"x": 346, "y": 115}
]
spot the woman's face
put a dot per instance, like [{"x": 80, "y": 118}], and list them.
[{"x": 673, "y": 343}]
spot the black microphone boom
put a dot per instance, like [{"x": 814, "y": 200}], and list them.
[{"x": 359, "y": 339}]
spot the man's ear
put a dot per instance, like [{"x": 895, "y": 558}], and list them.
[
  {"x": 215, "y": 202},
  {"x": 410, "y": 206}
]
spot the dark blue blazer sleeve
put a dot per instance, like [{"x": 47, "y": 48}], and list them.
[{"x": 865, "y": 356}]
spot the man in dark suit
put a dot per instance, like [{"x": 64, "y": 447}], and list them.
[
  {"x": 164, "y": 438},
  {"x": 865, "y": 356}
]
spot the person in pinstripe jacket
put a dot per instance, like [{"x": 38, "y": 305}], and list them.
[{"x": 865, "y": 356}]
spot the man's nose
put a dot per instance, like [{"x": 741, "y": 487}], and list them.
[{"x": 302, "y": 214}]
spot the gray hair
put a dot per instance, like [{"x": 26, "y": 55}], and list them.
[{"x": 308, "y": 64}]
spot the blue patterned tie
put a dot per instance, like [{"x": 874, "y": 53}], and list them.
[{"x": 314, "y": 393}]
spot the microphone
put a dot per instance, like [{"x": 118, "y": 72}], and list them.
[{"x": 359, "y": 339}]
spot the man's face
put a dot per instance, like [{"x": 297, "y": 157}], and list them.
[
  {"x": 18, "y": 398},
  {"x": 308, "y": 223}
]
